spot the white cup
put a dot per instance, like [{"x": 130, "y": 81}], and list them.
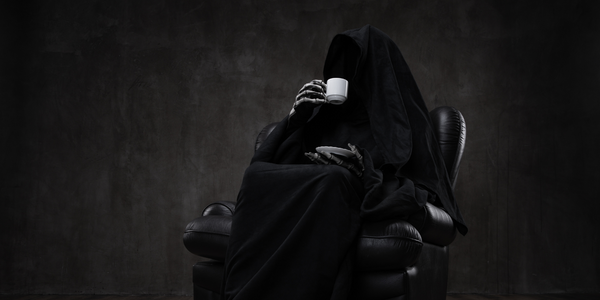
[{"x": 337, "y": 91}]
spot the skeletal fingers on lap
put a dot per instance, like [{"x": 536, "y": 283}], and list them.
[
  {"x": 327, "y": 158},
  {"x": 317, "y": 158},
  {"x": 358, "y": 156}
]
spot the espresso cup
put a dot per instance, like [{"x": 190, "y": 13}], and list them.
[{"x": 337, "y": 90}]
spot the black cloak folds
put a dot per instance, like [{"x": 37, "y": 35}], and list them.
[{"x": 295, "y": 223}]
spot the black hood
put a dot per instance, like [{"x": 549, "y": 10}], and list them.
[{"x": 380, "y": 77}]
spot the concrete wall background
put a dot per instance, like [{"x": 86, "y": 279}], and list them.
[{"x": 121, "y": 120}]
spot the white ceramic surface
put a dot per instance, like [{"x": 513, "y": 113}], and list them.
[
  {"x": 337, "y": 90},
  {"x": 336, "y": 150}
]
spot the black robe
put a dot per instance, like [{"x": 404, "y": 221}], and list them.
[{"x": 295, "y": 225}]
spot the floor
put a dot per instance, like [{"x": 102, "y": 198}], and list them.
[
  {"x": 523, "y": 297},
  {"x": 152, "y": 297},
  {"x": 92, "y": 297}
]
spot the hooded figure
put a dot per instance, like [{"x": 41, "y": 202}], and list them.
[{"x": 296, "y": 222}]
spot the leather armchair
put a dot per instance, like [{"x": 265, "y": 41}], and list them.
[{"x": 395, "y": 259}]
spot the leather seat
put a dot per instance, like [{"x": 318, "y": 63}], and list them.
[{"x": 395, "y": 259}]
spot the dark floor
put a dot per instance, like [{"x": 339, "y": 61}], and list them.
[
  {"x": 92, "y": 297},
  {"x": 524, "y": 297},
  {"x": 152, "y": 297}
]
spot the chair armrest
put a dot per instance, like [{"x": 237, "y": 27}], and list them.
[
  {"x": 220, "y": 208},
  {"x": 434, "y": 225},
  {"x": 385, "y": 245},
  {"x": 388, "y": 245},
  {"x": 208, "y": 236}
]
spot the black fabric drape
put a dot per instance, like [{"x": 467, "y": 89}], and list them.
[
  {"x": 400, "y": 121},
  {"x": 295, "y": 224}
]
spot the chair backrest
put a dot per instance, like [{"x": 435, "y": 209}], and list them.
[
  {"x": 263, "y": 134},
  {"x": 448, "y": 126},
  {"x": 451, "y": 132}
]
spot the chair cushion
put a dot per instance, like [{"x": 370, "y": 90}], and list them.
[
  {"x": 434, "y": 225},
  {"x": 383, "y": 245},
  {"x": 379, "y": 285},
  {"x": 208, "y": 275},
  {"x": 388, "y": 245},
  {"x": 208, "y": 236}
]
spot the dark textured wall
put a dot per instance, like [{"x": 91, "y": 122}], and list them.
[{"x": 121, "y": 120}]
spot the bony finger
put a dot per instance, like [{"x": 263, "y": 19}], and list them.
[
  {"x": 352, "y": 148},
  {"x": 305, "y": 86},
  {"x": 348, "y": 165},
  {"x": 311, "y": 155},
  {"x": 355, "y": 151},
  {"x": 312, "y": 86},
  {"x": 336, "y": 160},
  {"x": 315, "y": 157},
  {"x": 323, "y": 160},
  {"x": 358, "y": 156},
  {"x": 315, "y": 101},
  {"x": 327, "y": 158},
  {"x": 310, "y": 94},
  {"x": 319, "y": 82},
  {"x": 355, "y": 170},
  {"x": 328, "y": 155},
  {"x": 308, "y": 100},
  {"x": 322, "y": 84}
]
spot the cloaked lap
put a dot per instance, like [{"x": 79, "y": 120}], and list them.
[
  {"x": 287, "y": 209},
  {"x": 288, "y": 190}
]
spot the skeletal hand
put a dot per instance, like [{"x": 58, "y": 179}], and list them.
[
  {"x": 354, "y": 164},
  {"x": 310, "y": 96}
]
